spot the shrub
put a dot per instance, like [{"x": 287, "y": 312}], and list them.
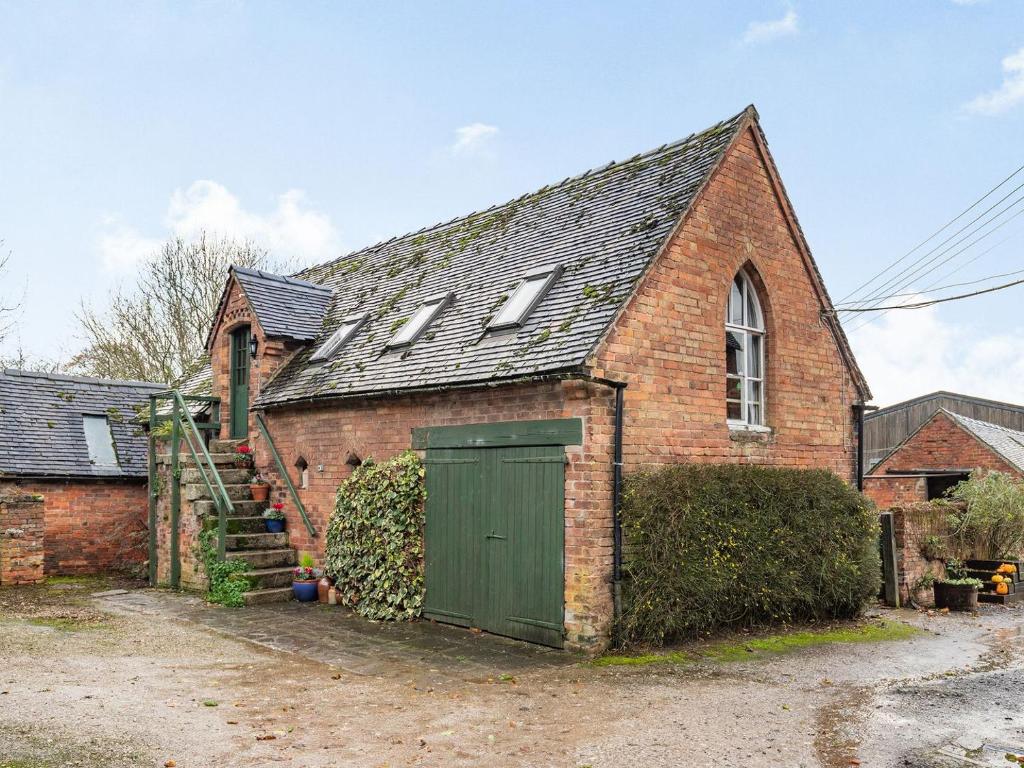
[
  {"x": 375, "y": 539},
  {"x": 737, "y": 545},
  {"x": 989, "y": 525}
]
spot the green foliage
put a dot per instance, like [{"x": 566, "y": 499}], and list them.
[
  {"x": 989, "y": 522},
  {"x": 739, "y": 545},
  {"x": 227, "y": 584},
  {"x": 375, "y": 539},
  {"x": 934, "y": 548}
]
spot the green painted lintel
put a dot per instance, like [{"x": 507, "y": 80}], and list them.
[{"x": 500, "y": 434}]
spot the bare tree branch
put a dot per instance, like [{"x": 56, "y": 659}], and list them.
[{"x": 156, "y": 331}]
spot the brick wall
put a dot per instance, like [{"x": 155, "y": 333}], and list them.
[
  {"x": 939, "y": 445},
  {"x": 92, "y": 526},
  {"x": 190, "y": 525},
  {"x": 669, "y": 343},
  {"x": 22, "y": 537},
  {"x": 912, "y": 525}
]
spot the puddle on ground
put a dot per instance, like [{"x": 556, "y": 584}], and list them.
[{"x": 971, "y": 752}]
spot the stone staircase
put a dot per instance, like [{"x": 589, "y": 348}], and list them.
[{"x": 269, "y": 556}]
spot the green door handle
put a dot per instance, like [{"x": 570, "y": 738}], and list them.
[{"x": 494, "y": 536}]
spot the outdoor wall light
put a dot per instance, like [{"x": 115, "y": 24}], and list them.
[{"x": 253, "y": 346}]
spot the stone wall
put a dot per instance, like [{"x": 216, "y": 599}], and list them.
[
  {"x": 22, "y": 538},
  {"x": 913, "y": 524}
]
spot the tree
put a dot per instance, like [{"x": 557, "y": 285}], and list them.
[
  {"x": 156, "y": 330},
  {"x": 6, "y": 310}
]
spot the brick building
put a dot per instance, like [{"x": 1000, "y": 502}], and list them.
[
  {"x": 72, "y": 441},
  {"x": 672, "y": 294},
  {"x": 938, "y": 455}
]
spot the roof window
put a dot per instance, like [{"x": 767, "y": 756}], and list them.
[
  {"x": 526, "y": 296},
  {"x": 345, "y": 331},
  {"x": 424, "y": 316},
  {"x": 99, "y": 441}
]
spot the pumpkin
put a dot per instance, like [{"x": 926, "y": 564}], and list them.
[
  {"x": 997, "y": 579},
  {"x": 1002, "y": 588},
  {"x": 1008, "y": 568}
]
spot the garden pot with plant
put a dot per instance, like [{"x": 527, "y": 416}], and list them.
[
  {"x": 243, "y": 457},
  {"x": 259, "y": 488},
  {"x": 305, "y": 578},
  {"x": 957, "y": 591},
  {"x": 274, "y": 518}
]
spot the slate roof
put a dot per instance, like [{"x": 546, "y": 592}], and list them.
[
  {"x": 286, "y": 307},
  {"x": 1008, "y": 443},
  {"x": 41, "y": 432},
  {"x": 603, "y": 227}
]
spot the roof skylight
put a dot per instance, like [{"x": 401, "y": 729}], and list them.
[
  {"x": 99, "y": 441},
  {"x": 526, "y": 296},
  {"x": 424, "y": 316},
  {"x": 345, "y": 331}
]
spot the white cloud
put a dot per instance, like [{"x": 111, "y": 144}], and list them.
[
  {"x": 911, "y": 352},
  {"x": 763, "y": 31},
  {"x": 470, "y": 139},
  {"x": 293, "y": 231},
  {"x": 1007, "y": 95}
]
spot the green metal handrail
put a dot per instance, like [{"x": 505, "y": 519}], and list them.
[
  {"x": 193, "y": 437},
  {"x": 284, "y": 474}
]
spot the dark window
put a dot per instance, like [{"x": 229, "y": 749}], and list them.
[{"x": 939, "y": 485}]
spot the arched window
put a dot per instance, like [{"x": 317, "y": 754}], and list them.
[
  {"x": 744, "y": 355},
  {"x": 303, "y": 466}
]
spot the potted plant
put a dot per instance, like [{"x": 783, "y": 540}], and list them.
[
  {"x": 243, "y": 457},
  {"x": 305, "y": 578},
  {"x": 274, "y": 518},
  {"x": 259, "y": 488},
  {"x": 956, "y": 591}
]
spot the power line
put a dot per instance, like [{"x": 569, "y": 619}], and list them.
[
  {"x": 930, "y": 302},
  {"x": 945, "y": 287},
  {"x": 932, "y": 236}
]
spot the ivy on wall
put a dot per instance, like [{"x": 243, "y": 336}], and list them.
[{"x": 374, "y": 549}]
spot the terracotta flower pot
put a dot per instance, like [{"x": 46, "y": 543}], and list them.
[
  {"x": 259, "y": 491},
  {"x": 323, "y": 588}
]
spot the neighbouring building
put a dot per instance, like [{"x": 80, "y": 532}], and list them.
[
  {"x": 75, "y": 443},
  {"x": 940, "y": 453},
  {"x": 497, "y": 344}
]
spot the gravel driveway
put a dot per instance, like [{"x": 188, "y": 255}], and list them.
[{"x": 154, "y": 679}]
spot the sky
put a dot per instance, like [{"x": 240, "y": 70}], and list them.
[{"x": 319, "y": 127}]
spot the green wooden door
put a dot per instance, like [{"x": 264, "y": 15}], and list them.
[
  {"x": 239, "y": 394},
  {"x": 494, "y": 553}
]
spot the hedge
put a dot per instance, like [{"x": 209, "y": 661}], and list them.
[
  {"x": 374, "y": 545},
  {"x": 713, "y": 546}
]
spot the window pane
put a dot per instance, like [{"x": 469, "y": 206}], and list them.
[
  {"x": 754, "y": 356},
  {"x": 733, "y": 352},
  {"x": 337, "y": 339},
  {"x": 754, "y": 401},
  {"x": 733, "y": 388},
  {"x": 754, "y": 414},
  {"x": 753, "y": 316},
  {"x": 514, "y": 310},
  {"x": 735, "y": 312},
  {"x": 99, "y": 441},
  {"x": 733, "y": 410}
]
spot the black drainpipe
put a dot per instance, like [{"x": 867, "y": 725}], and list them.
[
  {"x": 616, "y": 511},
  {"x": 859, "y": 409}
]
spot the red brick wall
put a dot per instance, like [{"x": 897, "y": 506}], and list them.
[
  {"x": 669, "y": 343},
  {"x": 270, "y": 354},
  {"x": 325, "y": 435},
  {"x": 940, "y": 444},
  {"x": 21, "y": 537},
  {"x": 913, "y": 524},
  {"x": 92, "y": 526}
]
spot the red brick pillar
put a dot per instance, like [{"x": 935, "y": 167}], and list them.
[{"x": 21, "y": 538}]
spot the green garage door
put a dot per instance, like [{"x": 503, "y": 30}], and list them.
[{"x": 494, "y": 540}]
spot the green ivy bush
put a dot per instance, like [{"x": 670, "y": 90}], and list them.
[
  {"x": 374, "y": 548},
  {"x": 227, "y": 584},
  {"x": 713, "y": 546}
]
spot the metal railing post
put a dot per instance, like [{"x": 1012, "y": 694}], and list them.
[
  {"x": 284, "y": 474},
  {"x": 175, "y": 496},
  {"x": 153, "y": 493}
]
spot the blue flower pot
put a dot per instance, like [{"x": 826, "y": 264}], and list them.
[
  {"x": 275, "y": 526},
  {"x": 304, "y": 591}
]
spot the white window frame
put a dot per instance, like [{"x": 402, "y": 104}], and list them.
[
  {"x": 746, "y": 331},
  {"x": 348, "y": 328},
  {"x": 546, "y": 276},
  {"x": 94, "y": 448},
  {"x": 420, "y": 320}
]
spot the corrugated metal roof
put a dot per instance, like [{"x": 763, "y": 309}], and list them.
[
  {"x": 41, "y": 428},
  {"x": 603, "y": 227}
]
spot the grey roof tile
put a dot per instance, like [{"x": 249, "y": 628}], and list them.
[
  {"x": 1008, "y": 443},
  {"x": 286, "y": 307},
  {"x": 41, "y": 430},
  {"x": 603, "y": 227}
]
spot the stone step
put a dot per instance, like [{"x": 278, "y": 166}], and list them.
[
  {"x": 274, "y": 595},
  {"x": 185, "y": 460},
  {"x": 269, "y": 578},
  {"x": 228, "y": 476},
  {"x": 264, "y": 558},
  {"x": 239, "y": 541},
  {"x": 253, "y": 524},
  {"x": 243, "y": 508},
  {"x": 225, "y": 446},
  {"x": 198, "y": 492}
]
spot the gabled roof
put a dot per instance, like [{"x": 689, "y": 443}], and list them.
[
  {"x": 943, "y": 394},
  {"x": 41, "y": 428},
  {"x": 286, "y": 307},
  {"x": 1008, "y": 443},
  {"x": 603, "y": 228}
]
